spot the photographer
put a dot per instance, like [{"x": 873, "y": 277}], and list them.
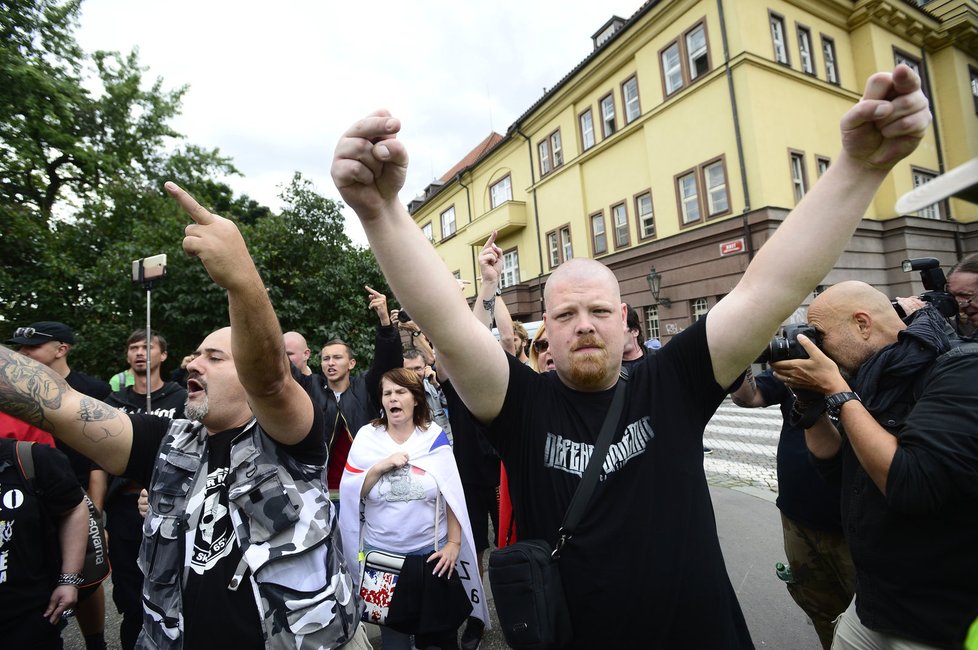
[
  {"x": 962, "y": 284},
  {"x": 908, "y": 463}
]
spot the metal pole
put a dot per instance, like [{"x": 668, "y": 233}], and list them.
[{"x": 149, "y": 354}]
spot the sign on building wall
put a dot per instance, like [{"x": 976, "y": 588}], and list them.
[{"x": 732, "y": 247}]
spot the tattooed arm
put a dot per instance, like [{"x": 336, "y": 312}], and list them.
[{"x": 37, "y": 395}]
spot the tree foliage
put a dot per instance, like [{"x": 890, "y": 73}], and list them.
[{"x": 85, "y": 147}]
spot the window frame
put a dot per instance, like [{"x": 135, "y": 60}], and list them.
[
  {"x": 592, "y": 218},
  {"x": 687, "y": 58},
  {"x": 428, "y": 231},
  {"x": 625, "y": 103},
  {"x": 638, "y": 215},
  {"x": 694, "y": 308},
  {"x": 614, "y": 225},
  {"x": 565, "y": 244},
  {"x": 973, "y": 77},
  {"x": 553, "y": 248},
  {"x": 666, "y": 74},
  {"x": 589, "y": 112},
  {"x": 940, "y": 207},
  {"x": 558, "y": 254},
  {"x": 681, "y": 203},
  {"x": 706, "y": 196},
  {"x": 799, "y": 185},
  {"x": 686, "y": 73},
  {"x": 556, "y": 149},
  {"x": 605, "y": 134},
  {"x": 822, "y": 164},
  {"x": 503, "y": 271},
  {"x": 803, "y": 30},
  {"x": 775, "y": 19},
  {"x": 454, "y": 222},
  {"x": 830, "y": 61},
  {"x": 492, "y": 199},
  {"x": 543, "y": 154},
  {"x": 652, "y": 321}
]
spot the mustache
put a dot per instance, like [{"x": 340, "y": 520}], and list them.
[{"x": 587, "y": 341}]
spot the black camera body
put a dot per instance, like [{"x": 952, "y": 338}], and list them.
[
  {"x": 403, "y": 316},
  {"x": 932, "y": 275},
  {"x": 784, "y": 348}
]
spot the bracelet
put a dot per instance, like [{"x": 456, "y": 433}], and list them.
[
  {"x": 416, "y": 333},
  {"x": 71, "y": 579}
]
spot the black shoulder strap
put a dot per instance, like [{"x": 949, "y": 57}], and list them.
[
  {"x": 25, "y": 462},
  {"x": 590, "y": 479}
]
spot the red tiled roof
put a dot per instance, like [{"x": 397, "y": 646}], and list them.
[{"x": 480, "y": 150}]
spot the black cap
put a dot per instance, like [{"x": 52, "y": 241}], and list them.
[{"x": 42, "y": 332}]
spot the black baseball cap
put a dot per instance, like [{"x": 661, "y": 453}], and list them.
[{"x": 42, "y": 332}]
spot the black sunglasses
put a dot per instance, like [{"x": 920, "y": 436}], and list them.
[
  {"x": 29, "y": 332},
  {"x": 541, "y": 345}
]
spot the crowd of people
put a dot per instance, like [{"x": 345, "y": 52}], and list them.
[{"x": 241, "y": 503}]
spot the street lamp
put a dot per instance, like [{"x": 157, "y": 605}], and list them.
[{"x": 654, "y": 279}]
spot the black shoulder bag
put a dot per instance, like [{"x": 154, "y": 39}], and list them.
[{"x": 525, "y": 576}]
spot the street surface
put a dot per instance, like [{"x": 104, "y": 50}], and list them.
[{"x": 743, "y": 484}]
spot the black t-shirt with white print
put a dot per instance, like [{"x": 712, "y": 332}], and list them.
[
  {"x": 214, "y": 615},
  {"x": 645, "y": 564}
]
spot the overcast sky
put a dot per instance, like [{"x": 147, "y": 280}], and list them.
[{"x": 273, "y": 88}]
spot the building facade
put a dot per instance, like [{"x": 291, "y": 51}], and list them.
[{"x": 687, "y": 135}]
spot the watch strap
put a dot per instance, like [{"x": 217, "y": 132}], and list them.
[{"x": 834, "y": 402}]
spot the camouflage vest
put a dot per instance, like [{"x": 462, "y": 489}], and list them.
[{"x": 281, "y": 515}]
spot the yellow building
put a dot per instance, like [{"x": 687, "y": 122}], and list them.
[{"x": 690, "y": 131}]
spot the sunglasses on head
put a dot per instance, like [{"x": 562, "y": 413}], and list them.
[
  {"x": 29, "y": 332},
  {"x": 541, "y": 345}
]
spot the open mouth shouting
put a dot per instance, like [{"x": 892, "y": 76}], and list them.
[{"x": 196, "y": 386}]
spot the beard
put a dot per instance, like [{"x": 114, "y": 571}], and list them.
[
  {"x": 589, "y": 370},
  {"x": 196, "y": 411}
]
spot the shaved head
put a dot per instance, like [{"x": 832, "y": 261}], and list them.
[
  {"x": 574, "y": 271},
  {"x": 854, "y": 321}
]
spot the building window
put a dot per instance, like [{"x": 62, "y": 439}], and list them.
[
  {"x": 511, "y": 269},
  {"x": 457, "y": 275},
  {"x": 717, "y": 199},
  {"x": 805, "y": 50},
  {"x": 922, "y": 177},
  {"x": 697, "y": 54},
  {"x": 426, "y": 230},
  {"x": 694, "y": 49},
  {"x": 629, "y": 97},
  {"x": 652, "y": 321},
  {"x": 778, "y": 39},
  {"x": 821, "y": 165},
  {"x": 619, "y": 220},
  {"x": 799, "y": 179},
  {"x": 607, "y": 115},
  {"x": 646, "y": 218},
  {"x": 553, "y": 248},
  {"x": 448, "y": 223},
  {"x": 703, "y": 190},
  {"x": 672, "y": 68},
  {"x": 828, "y": 55},
  {"x": 689, "y": 200},
  {"x": 586, "y": 120},
  {"x": 559, "y": 245},
  {"x": 599, "y": 238},
  {"x": 974, "y": 86},
  {"x": 500, "y": 192},
  {"x": 699, "y": 309},
  {"x": 546, "y": 164},
  {"x": 550, "y": 152},
  {"x": 556, "y": 150}
]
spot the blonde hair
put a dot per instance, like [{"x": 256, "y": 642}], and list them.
[{"x": 533, "y": 352}]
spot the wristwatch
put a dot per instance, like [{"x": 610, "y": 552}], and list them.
[{"x": 834, "y": 402}]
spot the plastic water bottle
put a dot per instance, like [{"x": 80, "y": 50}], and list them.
[{"x": 784, "y": 572}]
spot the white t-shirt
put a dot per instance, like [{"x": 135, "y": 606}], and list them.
[{"x": 399, "y": 511}]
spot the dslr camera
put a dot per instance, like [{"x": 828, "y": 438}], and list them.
[
  {"x": 784, "y": 348},
  {"x": 932, "y": 275}
]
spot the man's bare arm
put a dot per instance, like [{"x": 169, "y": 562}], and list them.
[
  {"x": 34, "y": 393},
  {"x": 747, "y": 395},
  {"x": 281, "y": 405},
  {"x": 880, "y": 130},
  {"x": 490, "y": 269},
  {"x": 368, "y": 168}
]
